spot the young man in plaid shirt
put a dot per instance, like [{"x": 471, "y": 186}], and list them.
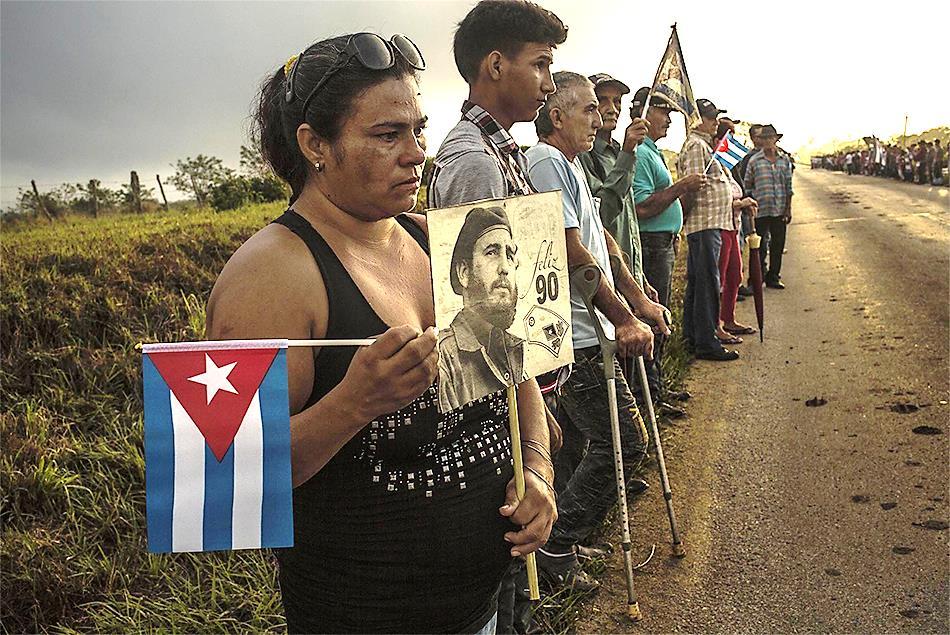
[{"x": 504, "y": 50}]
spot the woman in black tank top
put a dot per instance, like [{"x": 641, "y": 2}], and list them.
[{"x": 397, "y": 509}]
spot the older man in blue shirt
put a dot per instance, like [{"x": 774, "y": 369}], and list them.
[{"x": 567, "y": 125}]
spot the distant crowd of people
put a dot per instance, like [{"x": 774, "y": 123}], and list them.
[{"x": 923, "y": 162}]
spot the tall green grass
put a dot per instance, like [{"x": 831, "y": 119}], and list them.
[{"x": 76, "y": 298}]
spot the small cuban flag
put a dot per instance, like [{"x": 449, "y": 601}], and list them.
[
  {"x": 217, "y": 446},
  {"x": 729, "y": 151}
]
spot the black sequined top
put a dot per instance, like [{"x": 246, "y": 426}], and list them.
[{"x": 400, "y": 531}]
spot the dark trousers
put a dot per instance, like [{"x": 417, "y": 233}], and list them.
[
  {"x": 658, "y": 259},
  {"x": 592, "y": 488},
  {"x": 571, "y": 453},
  {"x": 514, "y": 603},
  {"x": 701, "y": 306},
  {"x": 772, "y": 230}
]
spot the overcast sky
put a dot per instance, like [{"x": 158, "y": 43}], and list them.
[{"x": 96, "y": 89}]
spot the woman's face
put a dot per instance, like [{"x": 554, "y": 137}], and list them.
[{"x": 375, "y": 166}]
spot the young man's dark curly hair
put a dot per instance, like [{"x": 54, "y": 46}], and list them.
[{"x": 504, "y": 26}]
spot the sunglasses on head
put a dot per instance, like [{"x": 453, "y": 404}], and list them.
[{"x": 372, "y": 51}]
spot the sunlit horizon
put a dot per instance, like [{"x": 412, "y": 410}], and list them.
[{"x": 94, "y": 90}]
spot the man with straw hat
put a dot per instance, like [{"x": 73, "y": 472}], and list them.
[{"x": 768, "y": 179}]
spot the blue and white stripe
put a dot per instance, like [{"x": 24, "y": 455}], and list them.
[
  {"x": 733, "y": 154},
  {"x": 196, "y": 503}
]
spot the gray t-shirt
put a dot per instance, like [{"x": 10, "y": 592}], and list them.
[
  {"x": 465, "y": 169},
  {"x": 550, "y": 170}
]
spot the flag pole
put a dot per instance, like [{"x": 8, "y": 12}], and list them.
[
  {"x": 311, "y": 343},
  {"x": 322, "y": 343},
  {"x": 518, "y": 463}
]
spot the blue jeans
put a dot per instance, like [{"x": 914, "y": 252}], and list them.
[
  {"x": 658, "y": 259},
  {"x": 592, "y": 488},
  {"x": 701, "y": 306}
]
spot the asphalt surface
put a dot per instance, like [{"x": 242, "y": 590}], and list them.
[{"x": 829, "y": 518}]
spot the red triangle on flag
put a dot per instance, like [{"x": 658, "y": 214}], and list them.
[
  {"x": 220, "y": 419},
  {"x": 723, "y": 145}
]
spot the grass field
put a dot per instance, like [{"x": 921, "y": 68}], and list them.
[{"x": 76, "y": 298}]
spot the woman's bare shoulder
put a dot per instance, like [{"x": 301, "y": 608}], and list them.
[
  {"x": 271, "y": 280},
  {"x": 272, "y": 255}
]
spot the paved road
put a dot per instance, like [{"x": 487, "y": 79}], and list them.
[{"x": 798, "y": 518}]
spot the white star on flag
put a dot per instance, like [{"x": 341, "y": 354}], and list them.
[{"x": 215, "y": 378}]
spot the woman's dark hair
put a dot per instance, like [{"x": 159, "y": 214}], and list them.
[
  {"x": 275, "y": 121},
  {"x": 505, "y": 26}
]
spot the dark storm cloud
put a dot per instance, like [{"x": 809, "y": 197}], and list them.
[{"x": 97, "y": 89}]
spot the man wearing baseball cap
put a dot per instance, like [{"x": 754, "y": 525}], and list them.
[
  {"x": 610, "y": 167},
  {"x": 707, "y": 212},
  {"x": 658, "y": 210}
]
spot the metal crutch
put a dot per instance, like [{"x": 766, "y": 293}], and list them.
[
  {"x": 679, "y": 549},
  {"x": 586, "y": 279}
]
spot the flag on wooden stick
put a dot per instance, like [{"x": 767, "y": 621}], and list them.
[
  {"x": 217, "y": 446},
  {"x": 672, "y": 82},
  {"x": 729, "y": 151}
]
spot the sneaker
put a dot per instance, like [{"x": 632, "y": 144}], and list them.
[
  {"x": 665, "y": 409},
  {"x": 591, "y": 552},
  {"x": 778, "y": 284},
  {"x": 745, "y": 291},
  {"x": 564, "y": 571}
]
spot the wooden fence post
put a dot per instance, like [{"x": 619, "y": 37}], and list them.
[
  {"x": 162, "y": 190},
  {"x": 136, "y": 192},
  {"x": 199, "y": 196},
  {"x": 39, "y": 202},
  {"x": 93, "y": 192}
]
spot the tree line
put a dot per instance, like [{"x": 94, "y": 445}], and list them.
[{"x": 204, "y": 179}]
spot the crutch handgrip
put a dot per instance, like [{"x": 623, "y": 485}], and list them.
[{"x": 586, "y": 279}]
